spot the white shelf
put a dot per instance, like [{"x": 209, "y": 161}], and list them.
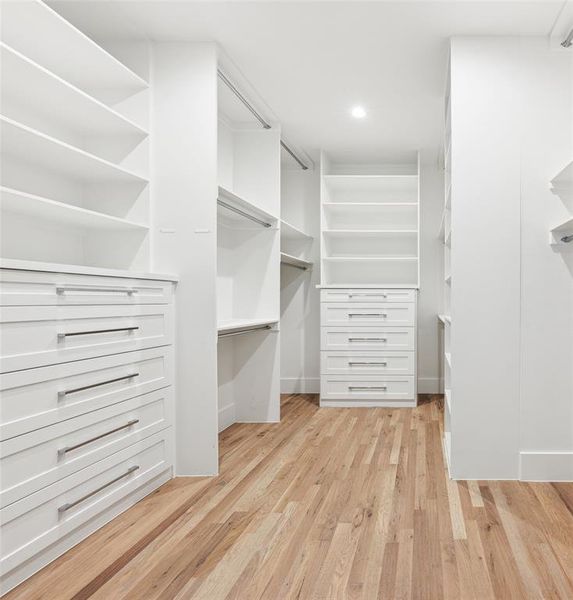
[
  {"x": 288, "y": 259},
  {"x": 37, "y": 207},
  {"x": 31, "y": 28},
  {"x": 42, "y": 150},
  {"x": 290, "y": 232},
  {"x": 370, "y": 232},
  {"x": 371, "y": 182},
  {"x": 353, "y": 205},
  {"x": 367, "y": 286},
  {"x": 228, "y": 205},
  {"x": 230, "y": 325},
  {"x": 562, "y": 183},
  {"x": 370, "y": 258},
  {"x": 25, "y": 82}
]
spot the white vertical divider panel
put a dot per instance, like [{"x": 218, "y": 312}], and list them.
[
  {"x": 485, "y": 261},
  {"x": 184, "y": 167}
]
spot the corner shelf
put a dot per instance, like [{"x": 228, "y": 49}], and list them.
[
  {"x": 235, "y": 209},
  {"x": 30, "y": 27},
  {"x": 293, "y": 261},
  {"x": 44, "y": 209},
  {"x": 32, "y": 146},
  {"x": 42, "y": 90}
]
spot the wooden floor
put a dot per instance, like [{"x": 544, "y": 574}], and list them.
[{"x": 330, "y": 503}]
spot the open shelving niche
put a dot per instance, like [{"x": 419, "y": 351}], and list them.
[
  {"x": 75, "y": 149},
  {"x": 370, "y": 225},
  {"x": 561, "y": 236},
  {"x": 248, "y": 266}
]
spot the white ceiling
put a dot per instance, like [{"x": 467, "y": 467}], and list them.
[{"x": 311, "y": 61}]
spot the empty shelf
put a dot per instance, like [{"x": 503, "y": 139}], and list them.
[
  {"x": 369, "y": 258},
  {"x": 371, "y": 183},
  {"x": 31, "y": 28},
  {"x": 26, "y": 83},
  {"x": 348, "y": 232},
  {"x": 290, "y": 232},
  {"x": 563, "y": 181},
  {"x": 293, "y": 261},
  {"x": 232, "y": 325},
  {"x": 38, "y": 149},
  {"x": 233, "y": 209},
  {"x": 37, "y": 207}
]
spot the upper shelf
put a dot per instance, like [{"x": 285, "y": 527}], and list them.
[
  {"x": 562, "y": 183},
  {"x": 233, "y": 325},
  {"x": 31, "y": 27},
  {"x": 42, "y": 150},
  {"x": 26, "y": 83},
  {"x": 372, "y": 183},
  {"x": 290, "y": 232},
  {"x": 233, "y": 209}
]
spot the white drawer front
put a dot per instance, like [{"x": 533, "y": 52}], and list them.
[
  {"x": 34, "y": 336},
  {"x": 33, "y": 523},
  {"x": 39, "y": 397},
  {"x": 367, "y": 363},
  {"x": 367, "y": 338},
  {"x": 335, "y": 387},
  {"x": 32, "y": 461},
  {"x": 402, "y": 315},
  {"x": 21, "y": 288},
  {"x": 367, "y": 295}
]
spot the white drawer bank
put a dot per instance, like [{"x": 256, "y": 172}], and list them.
[
  {"x": 368, "y": 345},
  {"x": 86, "y": 415}
]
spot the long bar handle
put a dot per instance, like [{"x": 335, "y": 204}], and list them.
[
  {"x": 368, "y": 295},
  {"x": 96, "y": 331},
  {"x": 367, "y": 314},
  {"x": 367, "y": 387},
  {"x": 363, "y": 339},
  {"x": 62, "y": 289},
  {"x": 378, "y": 364},
  {"x": 64, "y": 451},
  {"x": 95, "y": 385},
  {"x": 69, "y": 505}
]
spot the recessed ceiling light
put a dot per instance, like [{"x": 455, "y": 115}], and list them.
[{"x": 358, "y": 112}]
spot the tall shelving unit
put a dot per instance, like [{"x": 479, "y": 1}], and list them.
[
  {"x": 370, "y": 273},
  {"x": 75, "y": 149},
  {"x": 248, "y": 266}
]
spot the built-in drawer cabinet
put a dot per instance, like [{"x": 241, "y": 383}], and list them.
[
  {"x": 367, "y": 295},
  {"x": 346, "y": 387},
  {"x": 368, "y": 338},
  {"x": 41, "y": 457},
  {"x": 367, "y": 363},
  {"x": 40, "y": 397},
  {"x": 24, "y": 288},
  {"x": 34, "y": 336},
  {"x": 361, "y": 314},
  {"x": 33, "y": 523}
]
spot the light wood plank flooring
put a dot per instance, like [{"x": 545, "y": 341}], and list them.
[{"x": 329, "y": 503}]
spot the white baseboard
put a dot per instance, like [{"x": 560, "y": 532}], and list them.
[
  {"x": 226, "y": 417},
  {"x": 298, "y": 385},
  {"x": 546, "y": 466},
  {"x": 367, "y": 404},
  {"x": 428, "y": 385}
]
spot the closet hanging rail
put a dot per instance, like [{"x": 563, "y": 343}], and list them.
[
  {"x": 257, "y": 115},
  {"x": 245, "y": 330},
  {"x": 243, "y": 213},
  {"x": 566, "y": 239}
]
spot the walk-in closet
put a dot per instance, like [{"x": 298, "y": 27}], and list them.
[{"x": 286, "y": 299}]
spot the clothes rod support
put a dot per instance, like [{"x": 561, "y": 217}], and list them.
[
  {"x": 302, "y": 165},
  {"x": 248, "y": 330},
  {"x": 242, "y": 213},
  {"x": 240, "y": 96}
]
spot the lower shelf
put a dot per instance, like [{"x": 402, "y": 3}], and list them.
[{"x": 232, "y": 325}]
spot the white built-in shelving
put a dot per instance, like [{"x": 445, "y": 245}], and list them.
[
  {"x": 296, "y": 245},
  {"x": 75, "y": 146},
  {"x": 562, "y": 185}
]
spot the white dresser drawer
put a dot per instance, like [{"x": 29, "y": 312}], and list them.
[
  {"x": 344, "y": 387},
  {"x": 367, "y": 338},
  {"x": 361, "y": 314},
  {"x": 39, "y": 397},
  {"x": 34, "y": 336},
  {"x": 367, "y": 363},
  {"x": 367, "y": 295},
  {"x": 34, "y": 460},
  {"x": 33, "y": 523},
  {"x": 21, "y": 288}
]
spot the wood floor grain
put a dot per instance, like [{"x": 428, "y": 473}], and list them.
[{"x": 330, "y": 503}]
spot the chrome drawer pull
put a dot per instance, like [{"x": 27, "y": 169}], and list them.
[
  {"x": 363, "y": 339},
  {"x": 61, "y": 289},
  {"x": 369, "y": 295},
  {"x": 69, "y": 505},
  {"x": 94, "y": 331},
  {"x": 378, "y": 364},
  {"x": 367, "y": 387},
  {"x": 64, "y": 451},
  {"x": 367, "y": 314},
  {"x": 95, "y": 385}
]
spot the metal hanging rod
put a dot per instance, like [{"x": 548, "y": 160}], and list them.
[
  {"x": 242, "y": 213},
  {"x": 568, "y": 41},
  {"x": 257, "y": 115},
  {"x": 246, "y": 330},
  {"x": 566, "y": 239}
]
